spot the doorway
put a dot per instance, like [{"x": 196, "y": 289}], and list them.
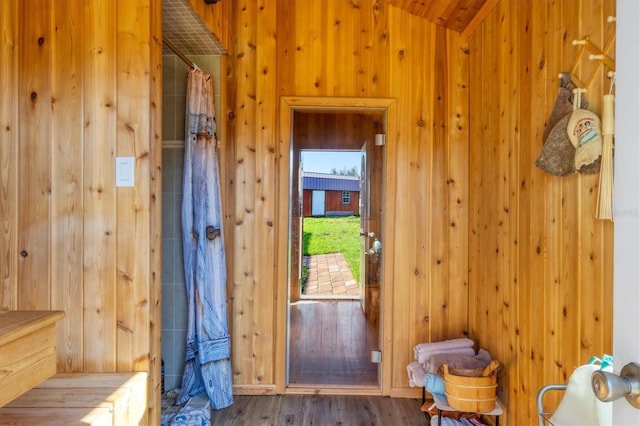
[
  {"x": 329, "y": 257},
  {"x": 330, "y": 336},
  {"x": 346, "y": 331},
  {"x": 318, "y": 200}
]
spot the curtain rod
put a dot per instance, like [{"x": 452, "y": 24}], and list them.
[{"x": 181, "y": 55}]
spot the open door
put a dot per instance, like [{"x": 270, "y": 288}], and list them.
[
  {"x": 364, "y": 217},
  {"x": 626, "y": 270},
  {"x": 371, "y": 232}
]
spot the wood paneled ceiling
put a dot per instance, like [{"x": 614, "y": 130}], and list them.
[{"x": 462, "y": 16}]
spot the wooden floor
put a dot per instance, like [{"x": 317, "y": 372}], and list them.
[
  {"x": 331, "y": 344},
  {"x": 320, "y": 410}
]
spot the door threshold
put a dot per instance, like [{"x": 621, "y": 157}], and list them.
[
  {"x": 327, "y": 297},
  {"x": 332, "y": 390}
]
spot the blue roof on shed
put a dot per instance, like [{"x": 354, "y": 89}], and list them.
[{"x": 329, "y": 182}]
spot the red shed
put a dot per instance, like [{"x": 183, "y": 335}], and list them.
[{"x": 330, "y": 195}]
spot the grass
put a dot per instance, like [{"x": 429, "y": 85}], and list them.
[{"x": 334, "y": 235}]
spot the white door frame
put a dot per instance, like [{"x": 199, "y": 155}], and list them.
[{"x": 626, "y": 259}]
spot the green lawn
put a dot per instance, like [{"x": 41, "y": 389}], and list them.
[{"x": 334, "y": 235}]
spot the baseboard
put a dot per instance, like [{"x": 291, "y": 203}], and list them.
[
  {"x": 415, "y": 393},
  {"x": 254, "y": 389}
]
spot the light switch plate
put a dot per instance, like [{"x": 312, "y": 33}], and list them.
[{"x": 125, "y": 171}]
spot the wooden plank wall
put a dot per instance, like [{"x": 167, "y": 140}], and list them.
[
  {"x": 470, "y": 114},
  {"x": 8, "y": 155},
  {"x": 357, "y": 49},
  {"x": 81, "y": 84},
  {"x": 540, "y": 263}
]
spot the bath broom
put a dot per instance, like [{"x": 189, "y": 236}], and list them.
[{"x": 605, "y": 194}]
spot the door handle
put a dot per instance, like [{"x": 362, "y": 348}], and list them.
[
  {"x": 609, "y": 386},
  {"x": 377, "y": 246}
]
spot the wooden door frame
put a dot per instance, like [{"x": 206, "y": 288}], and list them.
[{"x": 288, "y": 105}]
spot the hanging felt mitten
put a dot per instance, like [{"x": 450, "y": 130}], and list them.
[
  {"x": 558, "y": 154},
  {"x": 584, "y": 133}
]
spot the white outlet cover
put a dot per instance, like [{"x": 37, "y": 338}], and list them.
[{"x": 125, "y": 171}]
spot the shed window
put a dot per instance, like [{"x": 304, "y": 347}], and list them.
[{"x": 346, "y": 197}]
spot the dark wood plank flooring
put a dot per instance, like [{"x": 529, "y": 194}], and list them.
[
  {"x": 321, "y": 410},
  {"x": 331, "y": 344}
]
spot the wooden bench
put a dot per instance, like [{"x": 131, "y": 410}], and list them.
[
  {"x": 27, "y": 350},
  {"x": 81, "y": 399}
]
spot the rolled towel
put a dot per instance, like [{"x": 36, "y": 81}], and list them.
[
  {"x": 462, "y": 342},
  {"x": 425, "y": 357},
  {"x": 416, "y": 374},
  {"x": 434, "y": 384}
]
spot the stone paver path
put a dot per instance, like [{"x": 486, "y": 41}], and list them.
[{"x": 329, "y": 275}]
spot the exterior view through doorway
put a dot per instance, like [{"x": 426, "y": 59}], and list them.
[
  {"x": 330, "y": 338},
  {"x": 330, "y": 225}
]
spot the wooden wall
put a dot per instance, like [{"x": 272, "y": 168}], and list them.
[
  {"x": 540, "y": 263},
  {"x": 353, "y": 49},
  {"x": 475, "y": 220},
  {"x": 81, "y": 84}
]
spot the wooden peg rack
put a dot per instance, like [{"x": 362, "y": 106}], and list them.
[{"x": 595, "y": 53}]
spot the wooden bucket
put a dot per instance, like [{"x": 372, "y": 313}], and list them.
[{"x": 473, "y": 394}]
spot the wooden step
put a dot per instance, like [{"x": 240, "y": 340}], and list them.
[
  {"x": 83, "y": 398},
  {"x": 135, "y": 381},
  {"x": 27, "y": 350},
  {"x": 56, "y": 416}
]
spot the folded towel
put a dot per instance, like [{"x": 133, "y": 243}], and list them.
[
  {"x": 434, "y": 384},
  {"x": 423, "y": 350},
  {"x": 425, "y": 357},
  {"x": 445, "y": 421},
  {"x": 462, "y": 342},
  {"x": 484, "y": 356},
  {"x": 454, "y": 361},
  {"x": 416, "y": 374}
]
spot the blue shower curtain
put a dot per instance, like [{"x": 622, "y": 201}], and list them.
[{"x": 208, "y": 364}]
